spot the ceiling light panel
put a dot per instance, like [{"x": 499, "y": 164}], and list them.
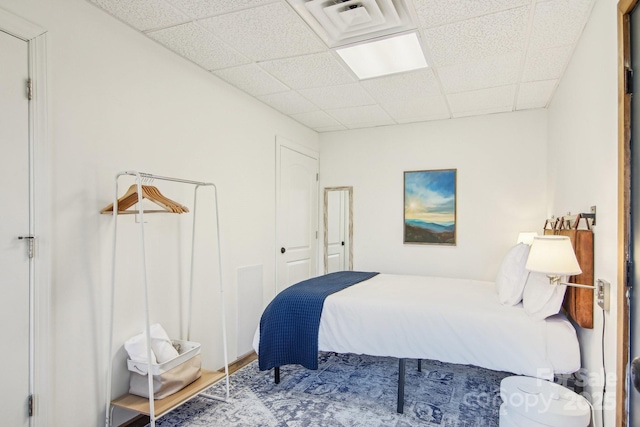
[
  {"x": 349, "y": 21},
  {"x": 381, "y": 57}
]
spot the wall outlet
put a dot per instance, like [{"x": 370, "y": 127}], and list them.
[{"x": 603, "y": 289}]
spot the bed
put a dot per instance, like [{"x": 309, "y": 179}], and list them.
[{"x": 446, "y": 319}]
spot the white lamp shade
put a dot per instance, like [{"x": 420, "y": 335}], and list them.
[{"x": 553, "y": 255}]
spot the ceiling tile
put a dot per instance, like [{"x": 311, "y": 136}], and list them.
[
  {"x": 251, "y": 79},
  {"x": 198, "y": 45},
  {"x": 398, "y": 87},
  {"x": 535, "y": 94},
  {"x": 359, "y": 115},
  {"x": 316, "y": 119},
  {"x": 309, "y": 71},
  {"x": 432, "y": 13},
  {"x": 546, "y": 64},
  {"x": 558, "y": 22},
  {"x": 471, "y": 40},
  {"x": 484, "y": 99},
  {"x": 330, "y": 97},
  {"x": 265, "y": 32},
  {"x": 197, "y": 9},
  {"x": 143, "y": 14},
  {"x": 288, "y": 102},
  {"x": 416, "y": 107},
  {"x": 488, "y": 72}
]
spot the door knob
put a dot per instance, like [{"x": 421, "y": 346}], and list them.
[
  {"x": 282, "y": 250},
  {"x": 635, "y": 373}
]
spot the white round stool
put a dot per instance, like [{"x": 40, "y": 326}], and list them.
[{"x": 532, "y": 402}]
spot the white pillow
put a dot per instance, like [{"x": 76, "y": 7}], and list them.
[
  {"x": 512, "y": 275},
  {"x": 542, "y": 299}
]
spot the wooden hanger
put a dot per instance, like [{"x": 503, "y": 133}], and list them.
[{"x": 151, "y": 193}]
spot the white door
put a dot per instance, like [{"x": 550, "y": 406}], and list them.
[
  {"x": 336, "y": 229},
  {"x": 297, "y": 217},
  {"x": 14, "y": 259}
]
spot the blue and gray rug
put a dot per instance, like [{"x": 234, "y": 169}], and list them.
[{"x": 350, "y": 390}]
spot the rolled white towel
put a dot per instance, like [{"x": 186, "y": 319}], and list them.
[
  {"x": 161, "y": 344},
  {"x": 136, "y": 347}
]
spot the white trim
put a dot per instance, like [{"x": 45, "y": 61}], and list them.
[
  {"x": 19, "y": 27},
  {"x": 40, "y": 221},
  {"x": 282, "y": 141}
]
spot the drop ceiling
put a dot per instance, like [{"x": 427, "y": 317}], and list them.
[{"x": 484, "y": 56}]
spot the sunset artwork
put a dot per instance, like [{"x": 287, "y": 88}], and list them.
[{"x": 430, "y": 207}]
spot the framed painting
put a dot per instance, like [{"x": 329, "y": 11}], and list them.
[{"x": 430, "y": 207}]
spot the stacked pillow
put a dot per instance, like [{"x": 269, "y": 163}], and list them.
[
  {"x": 512, "y": 275},
  {"x": 514, "y": 284}
]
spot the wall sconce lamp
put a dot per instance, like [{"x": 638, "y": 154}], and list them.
[{"x": 554, "y": 256}]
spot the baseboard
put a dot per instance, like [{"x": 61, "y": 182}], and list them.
[{"x": 241, "y": 362}]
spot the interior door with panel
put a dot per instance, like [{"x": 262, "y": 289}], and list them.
[
  {"x": 296, "y": 216},
  {"x": 14, "y": 252}
]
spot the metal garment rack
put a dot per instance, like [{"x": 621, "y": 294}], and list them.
[{"x": 136, "y": 403}]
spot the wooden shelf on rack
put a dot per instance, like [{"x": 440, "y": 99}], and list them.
[{"x": 162, "y": 406}]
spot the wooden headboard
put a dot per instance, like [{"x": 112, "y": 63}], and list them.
[{"x": 578, "y": 302}]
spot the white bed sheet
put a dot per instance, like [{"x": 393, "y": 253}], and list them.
[{"x": 451, "y": 320}]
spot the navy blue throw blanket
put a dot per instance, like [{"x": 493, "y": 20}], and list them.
[{"x": 290, "y": 323}]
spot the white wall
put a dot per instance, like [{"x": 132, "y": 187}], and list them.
[
  {"x": 583, "y": 171},
  {"x": 120, "y": 101},
  {"x": 501, "y": 188}
]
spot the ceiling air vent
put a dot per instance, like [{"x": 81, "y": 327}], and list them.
[{"x": 341, "y": 22}]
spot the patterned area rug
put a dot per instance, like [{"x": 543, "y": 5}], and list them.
[{"x": 350, "y": 390}]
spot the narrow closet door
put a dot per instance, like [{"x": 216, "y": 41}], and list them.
[
  {"x": 337, "y": 203},
  {"x": 14, "y": 255},
  {"x": 297, "y": 217}
]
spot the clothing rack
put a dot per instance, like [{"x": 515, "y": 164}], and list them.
[{"x": 135, "y": 403}]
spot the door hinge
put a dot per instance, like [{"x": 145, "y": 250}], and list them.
[
  {"x": 31, "y": 244},
  {"x": 30, "y": 405},
  {"x": 29, "y": 89},
  {"x": 628, "y": 80},
  {"x": 316, "y": 234},
  {"x": 317, "y": 177},
  {"x": 629, "y": 273}
]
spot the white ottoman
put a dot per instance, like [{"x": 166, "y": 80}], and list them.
[{"x": 532, "y": 402}]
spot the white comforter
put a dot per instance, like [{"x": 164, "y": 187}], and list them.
[{"x": 451, "y": 320}]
